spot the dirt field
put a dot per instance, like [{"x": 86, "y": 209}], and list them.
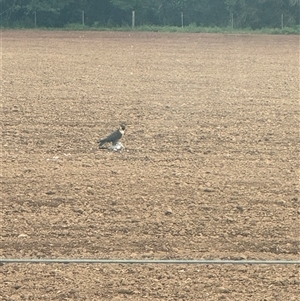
[{"x": 210, "y": 168}]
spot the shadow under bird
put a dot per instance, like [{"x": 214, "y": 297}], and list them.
[{"x": 113, "y": 137}]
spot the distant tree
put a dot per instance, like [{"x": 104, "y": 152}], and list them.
[
  {"x": 99, "y": 12},
  {"x": 10, "y": 10},
  {"x": 48, "y": 11},
  {"x": 58, "y": 13},
  {"x": 146, "y": 11}
]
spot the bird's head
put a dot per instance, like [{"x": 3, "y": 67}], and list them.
[{"x": 122, "y": 128}]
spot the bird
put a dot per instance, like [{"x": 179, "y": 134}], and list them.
[{"x": 113, "y": 137}]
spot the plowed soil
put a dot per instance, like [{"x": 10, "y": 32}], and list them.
[{"x": 210, "y": 168}]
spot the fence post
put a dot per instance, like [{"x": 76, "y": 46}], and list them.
[
  {"x": 282, "y": 21},
  {"x": 35, "y": 18},
  {"x": 181, "y": 19},
  {"x": 133, "y": 19},
  {"x": 231, "y": 20},
  {"x": 82, "y": 17}
]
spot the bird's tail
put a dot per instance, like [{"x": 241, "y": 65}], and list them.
[{"x": 102, "y": 141}]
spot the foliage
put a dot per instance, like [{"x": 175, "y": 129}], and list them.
[{"x": 242, "y": 14}]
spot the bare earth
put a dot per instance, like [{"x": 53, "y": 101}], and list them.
[{"x": 210, "y": 171}]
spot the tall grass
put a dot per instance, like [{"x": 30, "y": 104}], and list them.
[{"x": 192, "y": 28}]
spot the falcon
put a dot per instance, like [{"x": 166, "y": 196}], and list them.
[{"x": 113, "y": 137}]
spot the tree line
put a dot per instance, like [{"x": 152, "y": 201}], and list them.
[{"x": 254, "y": 14}]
